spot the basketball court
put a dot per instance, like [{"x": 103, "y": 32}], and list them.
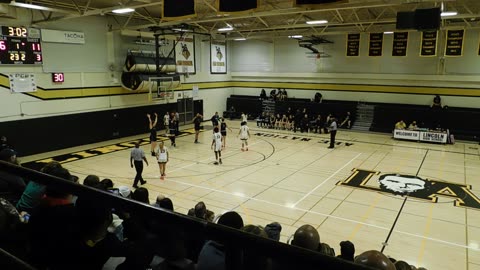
[{"x": 294, "y": 179}]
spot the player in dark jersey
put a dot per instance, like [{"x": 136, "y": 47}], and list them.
[
  {"x": 196, "y": 122},
  {"x": 172, "y": 126},
  {"x": 223, "y": 131},
  {"x": 152, "y": 126}
]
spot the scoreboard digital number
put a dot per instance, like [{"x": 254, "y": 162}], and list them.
[
  {"x": 58, "y": 77},
  {"x": 20, "y": 46}
]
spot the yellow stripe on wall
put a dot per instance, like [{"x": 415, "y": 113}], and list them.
[{"x": 118, "y": 90}]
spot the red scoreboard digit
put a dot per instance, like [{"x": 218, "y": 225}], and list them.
[{"x": 58, "y": 77}]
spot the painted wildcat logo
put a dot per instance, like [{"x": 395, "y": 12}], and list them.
[
  {"x": 185, "y": 51},
  {"x": 414, "y": 187},
  {"x": 219, "y": 53}
]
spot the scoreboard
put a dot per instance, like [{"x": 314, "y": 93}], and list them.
[{"x": 20, "y": 46}]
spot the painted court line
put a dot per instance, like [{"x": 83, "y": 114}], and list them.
[
  {"x": 332, "y": 216},
  {"x": 326, "y": 180}
]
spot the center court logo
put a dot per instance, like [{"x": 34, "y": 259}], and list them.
[{"x": 413, "y": 186}]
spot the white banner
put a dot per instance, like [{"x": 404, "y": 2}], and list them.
[
  {"x": 438, "y": 137},
  {"x": 185, "y": 54},
  {"x": 22, "y": 82},
  {"x": 63, "y": 36},
  {"x": 218, "y": 57},
  {"x": 406, "y": 134}
]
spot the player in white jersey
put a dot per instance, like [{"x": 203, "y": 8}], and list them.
[
  {"x": 162, "y": 158},
  {"x": 217, "y": 145},
  {"x": 244, "y": 135}
]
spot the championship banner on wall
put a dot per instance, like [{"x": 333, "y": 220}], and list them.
[
  {"x": 22, "y": 82},
  {"x": 454, "y": 44},
  {"x": 428, "y": 46},
  {"x": 353, "y": 45},
  {"x": 375, "y": 44},
  {"x": 178, "y": 9},
  {"x": 400, "y": 44},
  {"x": 218, "y": 57},
  {"x": 185, "y": 54}
]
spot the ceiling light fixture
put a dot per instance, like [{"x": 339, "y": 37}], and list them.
[
  {"x": 240, "y": 39},
  {"x": 123, "y": 10},
  {"x": 317, "y": 22},
  {"x": 30, "y": 6},
  {"x": 449, "y": 13},
  {"x": 295, "y": 36},
  {"x": 388, "y": 32},
  {"x": 224, "y": 29}
]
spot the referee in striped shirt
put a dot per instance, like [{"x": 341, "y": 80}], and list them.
[{"x": 137, "y": 157}]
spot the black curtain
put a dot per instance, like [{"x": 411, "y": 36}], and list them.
[
  {"x": 236, "y": 5},
  {"x": 178, "y": 8}
]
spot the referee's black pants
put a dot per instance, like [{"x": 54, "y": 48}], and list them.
[
  {"x": 139, "y": 168},
  {"x": 333, "y": 133}
]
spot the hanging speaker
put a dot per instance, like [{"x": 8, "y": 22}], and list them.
[
  {"x": 405, "y": 20},
  {"x": 236, "y": 5},
  {"x": 428, "y": 19},
  {"x": 178, "y": 9}
]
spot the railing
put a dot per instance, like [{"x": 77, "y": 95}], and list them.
[{"x": 234, "y": 240}]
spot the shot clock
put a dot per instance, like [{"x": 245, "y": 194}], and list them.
[
  {"x": 58, "y": 77},
  {"x": 20, "y": 46}
]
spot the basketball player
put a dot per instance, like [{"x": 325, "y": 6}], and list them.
[
  {"x": 217, "y": 146},
  {"x": 333, "y": 131},
  {"x": 223, "y": 131},
  {"x": 197, "y": 121},
  {"x": 137, "y": 157},
  {"x": 172, "y": 126},
  {"x": 166, "y": 119},
  {"x": 152, "y": 126},
  {"x": 244, "y": 135},
  {"x": 162, "y": 158}
]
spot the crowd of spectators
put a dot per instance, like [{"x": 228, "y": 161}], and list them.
[
  {"x": 52, "y": 229},
  {"x": 301, "y": 120}
]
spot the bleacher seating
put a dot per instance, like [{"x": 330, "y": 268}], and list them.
[{"x": 252, "y": 105}]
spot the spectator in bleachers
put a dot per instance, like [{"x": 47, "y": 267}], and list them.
[
  {"x": 232, "y": 113},
  {"x": 290, "y": 122},
  {"x": 278, "y": 121},
  {"x": 401, "y": 265},
  {"x": 263, "y": 94},
  {"x": 437, "y": 102},
  {"x": 4, "y": 143},
  {"x": 107, "y": 183},
  {"x": 346, "y": 121},
  {"x": 347, "y": 251},
  {"x": 54, "y": 228},
  {"x": 306, "y": 237},
  {"x": 201, "y": 211},
  {"x": 413, "y": 125},
  {"x": 318, "y": 124},
  {"x": 289, "y": 112},
  {"x": 141, "y": 195},
  {"x": 261, "y": 120},
  {"x": 91, "y": 181},
  {"x": 165, "y": 203},
  {"x": 375, "y": 259},
  {"x": 285, "y": 94},
  {"x": 318, "y": 98},
  {"x": 297, "y": 120},
  {"x": 250, "y": 259},
  {"x": 273, "y": 230},
  {"x": 11, "y": 186},
  {"x": 273, "y": 94},
  {"x": 284, "y": 121},
  {"x": 158, "y": 200},
  {"x": 212, "y": 255},
  {"x": 12, "y": 228},
  {"x": 400, "y": 125},
  {"x": 34, "y": 192}
]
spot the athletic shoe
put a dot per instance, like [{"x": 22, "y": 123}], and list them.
[
  {"x": 247, "y": 149},
  {"x": 144, "y": 182},
  {"x": 220, "y": 161},
  {"x": 331, "y": 147},
  {"x": 243, "y": 149},
  {"x": 153, "y": 154},
  {"x": 174, "y": 145},
  {"x": 215, "y": 163}
]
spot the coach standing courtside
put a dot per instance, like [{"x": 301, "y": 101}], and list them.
[
  {"x": 137, "y": 157},
  {"x": 333, "y": 131}
]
